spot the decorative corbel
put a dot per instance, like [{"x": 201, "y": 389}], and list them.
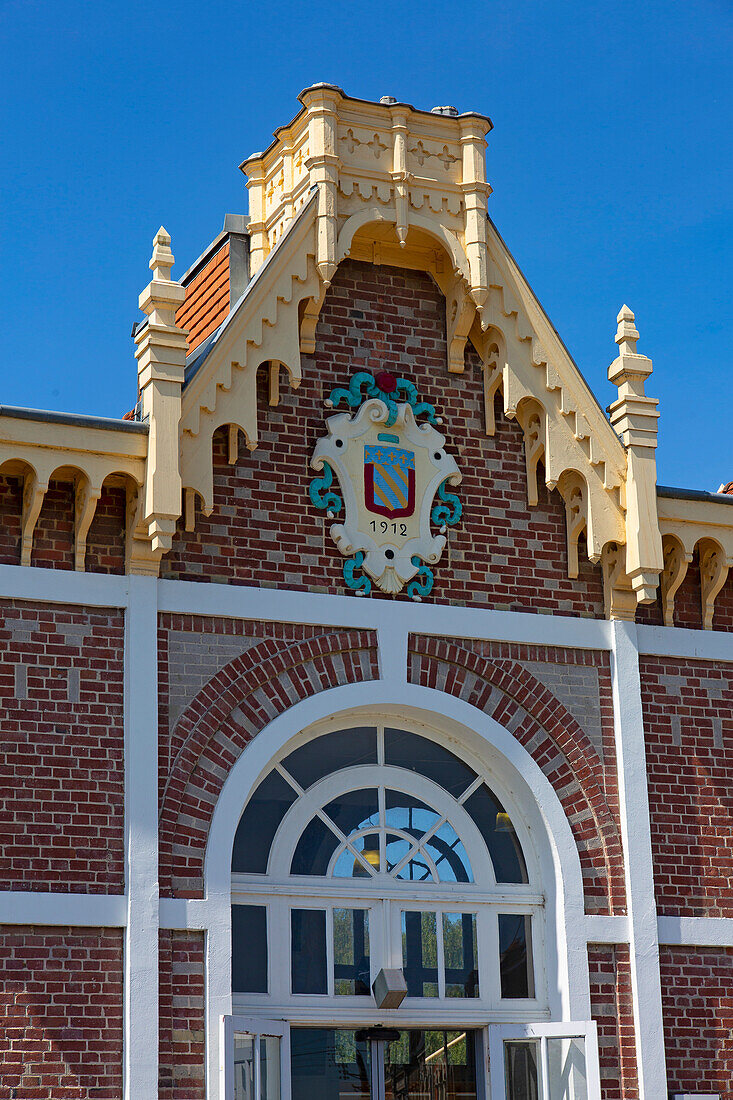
[
  {"x": 618, "y": 596},
  {"x": 139, "y": 555},
  {"x": 676, "y": 562},
  {"x": 489, "y": 345},
  {"x": 460, "y": 311},
  {"x": 713, "y": 574},
  {"x": 86, "y": 497},
  {"x": 493, "y": 375},
  {"x": 572, "y": 491},
  {"x": 189, "y": 509},
  {"x": 309, "y": 320},
  {"x": 33, "y": 493},
  {"x": 530, "y": 416}
]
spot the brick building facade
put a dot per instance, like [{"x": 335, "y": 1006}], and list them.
[{"x": 365, "y": 659}]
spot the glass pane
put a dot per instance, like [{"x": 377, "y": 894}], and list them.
[
  {"x": 308, "y": 950},
  {"x": 566, "y": 1068},
  {"x": 249, "y": 949},
  {"x": 515, "y": 955},
  {"x": 244, "y": 1066},
  {"x": 331, "y": 753},
  {"x": 496, "y": 828},
  {"x": 314, "y": 850},
  {"x": 420, "y": 953},
  {"x": 351, "y": 952},
  {"x": 416, "y": 870},
  {"x": 419, "y": 754},
  {"x": 347, "y": 866},
  {"x": 521, "y": 1070},
  {"x": 329, "y": 1065},
  {"x": 449, "y": 855},
  {"x": 269, "y": 1067},
  {"x": 431, "y": 1064},
  {"x": 408, "y": 814},
  {"x": 354, "y": 810},
  {"x": 460, "y": 953},
  {"x": 259, "y": 822}
]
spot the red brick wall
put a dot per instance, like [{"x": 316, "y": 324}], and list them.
[
  {"x": 207, "y": 299},
  {"x": 697, "y": 997},
  {"x": 61, "y": 1013},
  {"x": 106, "y": 538},
  {"x": 11, "y": 508},
  {"x": 504, "y": 554},
  {"x": 688, "y": 718},
  {"x": 612, "y": 1009},
  {"x": 182, "y": 1017},
  {"x": 53, "y": 538},
  {"x": 61, "y": 759},
  {"x": 288, "y": 665},
  {"x": 490, "y": 677}
]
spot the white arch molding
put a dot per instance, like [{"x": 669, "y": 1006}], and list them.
[{"x": 559, "y": 863}]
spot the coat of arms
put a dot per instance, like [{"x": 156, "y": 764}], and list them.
[{"x": 390, "y": 464}]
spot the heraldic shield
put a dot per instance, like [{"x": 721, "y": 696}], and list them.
[
  {"x": 381, "y": 466},
  {"x": 389, "y": 481}
]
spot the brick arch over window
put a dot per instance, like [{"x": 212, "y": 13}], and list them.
[
  {"x": 505, "y": 690},
  {"x": 226, "y": 714}
]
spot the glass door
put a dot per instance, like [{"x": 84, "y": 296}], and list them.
[
  {"x": 384, "y": 1064},
  {"x": 256, "y": 1059},
  {"x": 544, "y": 1062}
]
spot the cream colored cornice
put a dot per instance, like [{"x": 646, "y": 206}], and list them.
[
  {"x": 691, "y": 524},
  {"x": 37, "y": 447}
]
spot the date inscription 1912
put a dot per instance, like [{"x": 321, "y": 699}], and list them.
[{"x": 383, "y": 527}]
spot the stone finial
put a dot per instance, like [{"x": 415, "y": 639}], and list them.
[
  {"x": 630, "y": 369},
  {"x": 162, "y": 259},
  {"x": 626, "y": 334}
]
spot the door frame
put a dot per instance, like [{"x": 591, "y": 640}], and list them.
[
  {"x": 501, "y": 1033},
  {"x": 257, "y": 1027}
]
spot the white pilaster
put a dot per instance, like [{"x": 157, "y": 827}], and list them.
[
  {"x": 637, "y": 846},
  {"x": 141, "y": 840}
]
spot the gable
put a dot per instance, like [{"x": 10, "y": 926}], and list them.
[{"x": 263, "y": 529}]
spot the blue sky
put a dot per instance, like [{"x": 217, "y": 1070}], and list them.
[{"x": 610, "y": 162}]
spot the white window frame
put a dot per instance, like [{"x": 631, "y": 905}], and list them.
[
  {"x": 501, "y": 1033},
  {"x": 386, "y": 896},
  {"x": 257, "y": 1028}
]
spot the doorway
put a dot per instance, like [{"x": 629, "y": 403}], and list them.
[{"x": 382, "y": 1063}]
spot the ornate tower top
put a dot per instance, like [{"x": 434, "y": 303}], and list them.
[{"x": 420, "y": 174}]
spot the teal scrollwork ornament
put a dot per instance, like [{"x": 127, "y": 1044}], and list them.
[
  {"x": 361, "y": 585},
  {"x": 321, "y": 495},
  {"x": 393, "y": 391},
  {"x": 423, "y": 583},
  {"x": 449, "y": 512}
]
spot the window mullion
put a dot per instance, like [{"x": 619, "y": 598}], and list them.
[
  {"x": 330, "y": 956},
  {"x": 440, "y": 948}
]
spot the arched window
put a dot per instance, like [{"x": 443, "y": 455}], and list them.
[
  {"x": 382, "y": 847},
  {"x": 379, "y": 860}
]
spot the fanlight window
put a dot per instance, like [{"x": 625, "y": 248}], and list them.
[
  {"x": 370, "y": 845},
  {"x": 380, "y": 827}
]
